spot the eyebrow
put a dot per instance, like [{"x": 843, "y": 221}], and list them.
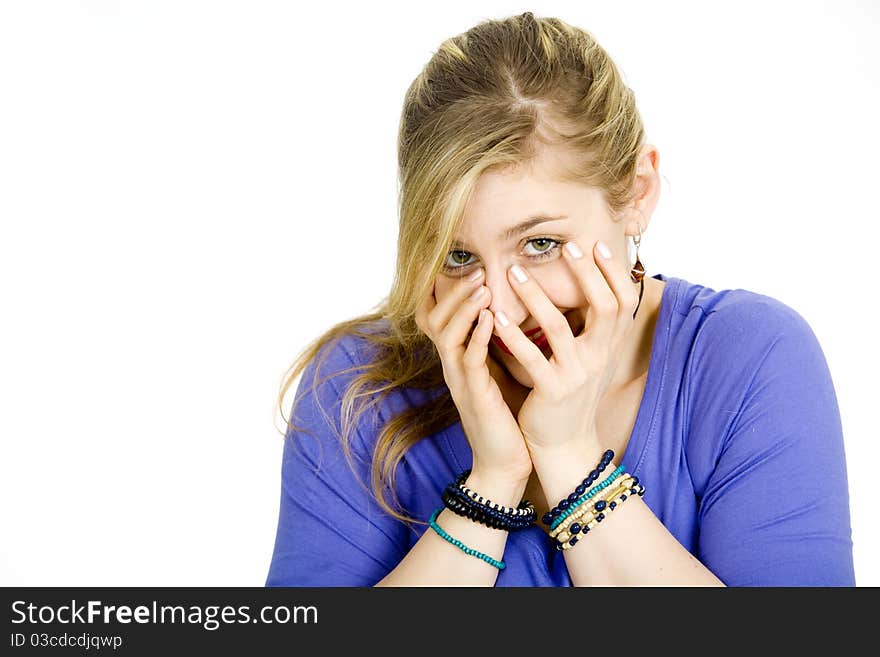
[{"x": 524, "y": 225}]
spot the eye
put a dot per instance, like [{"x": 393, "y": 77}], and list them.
[
  {"x": 546, "y": 247},
  {"x": 459, "y": 257},
  {"x": 550, "y": 245}
]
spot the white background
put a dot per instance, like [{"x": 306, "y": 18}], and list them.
[{"x": 192, "y": 191}]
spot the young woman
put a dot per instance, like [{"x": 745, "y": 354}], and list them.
[{"x": 527, "y": 408}]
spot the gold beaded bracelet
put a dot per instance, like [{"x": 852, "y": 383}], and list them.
[
  {"x": 622, "y": 496},
  {"x": 588, "y": 505},
  {"x": 588, "y": 515}
]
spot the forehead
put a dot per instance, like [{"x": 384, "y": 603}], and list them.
[{"x": 504, "y": 197}]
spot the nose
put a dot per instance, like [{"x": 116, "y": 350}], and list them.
[{"x": 504, "y": 297}]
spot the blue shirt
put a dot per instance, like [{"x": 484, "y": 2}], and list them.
[{"x": 738, "y": 442}]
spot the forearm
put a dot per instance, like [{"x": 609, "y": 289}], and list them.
[
  {"x": 433, "y": 561},
  {"x": 630, "y": 547}
]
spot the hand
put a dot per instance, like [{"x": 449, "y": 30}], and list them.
[
  {"x": 489, "y": 425},
  {"x": 513, "y": 392},
  {"x": 562, "y": 406}
]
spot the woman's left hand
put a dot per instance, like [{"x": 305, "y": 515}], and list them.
[{"x": 568, "y": 387}]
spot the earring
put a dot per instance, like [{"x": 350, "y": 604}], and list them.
[{"x": 637, "y": 273}]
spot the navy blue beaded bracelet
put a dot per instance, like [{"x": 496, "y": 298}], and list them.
[
  {"x": 473, "y": 506},
  {"x": 590, "y": 479},
  {"x": 462, "y": 505},
  {"x": 524, "y": 511}
]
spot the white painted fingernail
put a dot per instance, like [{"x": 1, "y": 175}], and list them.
[
  {"x": 478, "y": 293},
  {"x": 519, "y": 273},
  {"x": 502, "y": 318},
  {"x": 574, "y": 250},
  {"x": 604, "y": 251}
]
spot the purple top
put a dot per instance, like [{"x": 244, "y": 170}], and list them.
[{"x": 738, "y": 442}]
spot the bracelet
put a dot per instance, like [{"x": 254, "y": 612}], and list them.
[
  {"x": 525, "y": 507},
  {"x": 586, "y": 507},
  {"x": 589, "y": 494},
  {"x": 588, "y": 511},
  {"x": 566, "y": 502},
  {"x": 456, "y": 502},
  {"x": 465, "y": 502},
  {"x": 510, "y": 510},
  {"x": 613, "y": 482},
  {"x": 500, "y": 565},
  {"x": 612, "y": 504}
]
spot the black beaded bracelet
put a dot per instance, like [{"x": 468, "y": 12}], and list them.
[
  {"x": 471, "y": 505},
  {"x": 525, "y": 507},
  {"x": 590, "y": 479},
  {"x": 510, "y": 510},
  {"x": 483, "y": 515},
  {"x": 461, "y": 504}
]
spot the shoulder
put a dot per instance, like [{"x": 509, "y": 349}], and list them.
[
  {"x": 316, "y": 410},
  {"x": 756, "y": 381},
  {"x": 739, "y": 313},
  {"x": 764, "y": 348},
  {"x": 339, "y": 383},
  {"x": 746, "y": 351},
  {"x": 331, "y": 370},
  {"x": 734, "y": 330}
]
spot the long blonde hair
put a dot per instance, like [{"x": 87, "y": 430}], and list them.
[{"x": 487, "y": 98}]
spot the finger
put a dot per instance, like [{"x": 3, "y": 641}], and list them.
[
  {"x": 524, "y": 350},
  {"x": 621, "y": 286},
  {"x": 453, "y": 337},
  {"x": 478, "y": 347},
  {"x": 440, "y": 315},
  {"x": 553, "y": 322},
  {"x": 604, "y": 306},
  {"x": 426, "y": 305}
]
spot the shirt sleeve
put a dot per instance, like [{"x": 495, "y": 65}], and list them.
[
  {"x": 775, "y": 509},
  {"x": 331, "y": 531}
]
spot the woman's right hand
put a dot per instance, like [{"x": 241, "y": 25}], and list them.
[{"x": 499, "y": 449}]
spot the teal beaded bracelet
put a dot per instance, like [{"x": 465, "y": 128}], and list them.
[
  {"x": 500, "y": 565},
  {"x": 586, "y": 496}
]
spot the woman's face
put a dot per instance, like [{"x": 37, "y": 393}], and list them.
[{"x": 567, "y": 211}]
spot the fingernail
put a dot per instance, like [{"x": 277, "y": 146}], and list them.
[
  {"x": 476, "y": 275},
  {"x": 519, "y": 273},
  {"x": 478, "y": 293},
  {"x": 574, "y": 250},
  {"x": 502, "y": 318},
  {"x": 604, "y": 251}
]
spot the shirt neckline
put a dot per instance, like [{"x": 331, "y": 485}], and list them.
[{"x": 643, "y": 427}]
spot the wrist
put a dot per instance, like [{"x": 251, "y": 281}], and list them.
[
  {"x": 561, "y": 468},
  {"x": 497, "y": 487}
]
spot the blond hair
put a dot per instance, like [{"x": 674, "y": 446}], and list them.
[{"x": 489, "y": 97}]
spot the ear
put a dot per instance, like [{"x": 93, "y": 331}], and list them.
[{"x": 647, "y": 189}]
